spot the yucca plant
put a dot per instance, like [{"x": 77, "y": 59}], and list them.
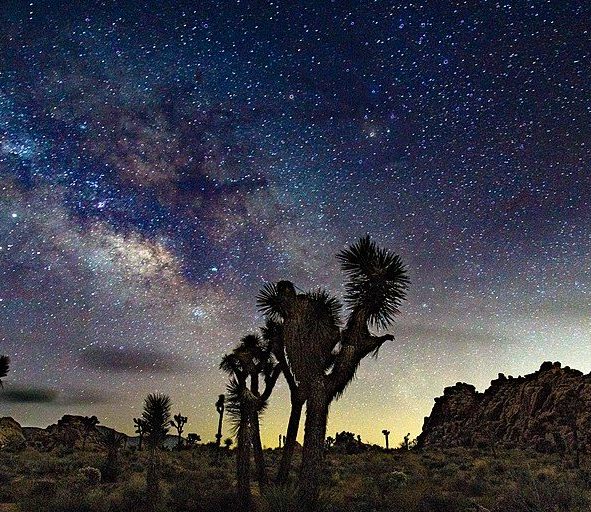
[
  {"x": 113, "y": 441},
  {"x": 156, "y": 415}
]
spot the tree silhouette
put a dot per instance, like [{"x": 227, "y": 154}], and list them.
[
  {"x": 4, "y": 367},
  {"x": 113, "y": 442},
  {"x": 248, "y": 362},
  {"x": 178, "y": 422},
  {"x": 228, "y": 443},
  {"x": 140, "y": 430},
  {"x": 386, "y": 434},
  {"x": 219, "y": 407},
  {"x": 193, "y": 439},
  {"x": 406, "y": 442},
  {"x": 156, "y": 414},
  {"x": 273, "y": 335},
  {"x": 89, "y": 424},
  {"x": 323, "y": 357}
]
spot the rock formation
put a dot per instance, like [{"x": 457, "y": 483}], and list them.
[
  {"x": 11, "y": 434},
  {"x": 545, "y": 410},
  {"x": 66, "y": 433}
]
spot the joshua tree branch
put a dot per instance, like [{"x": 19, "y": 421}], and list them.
[
  {"x": 270, "y": 381},
  {"x": 349, "y": 357}
]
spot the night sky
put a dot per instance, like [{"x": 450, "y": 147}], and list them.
[{"x": 160, "y": 161}]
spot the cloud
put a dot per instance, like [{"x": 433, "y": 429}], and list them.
[
  {"x": 17, "y": 394},
  {"x": 23, "y": 395},
  {"x": 128, "y": 360}
]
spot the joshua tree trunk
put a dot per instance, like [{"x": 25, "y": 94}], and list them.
[
  {"x": 243, "y": 463},
  {"x": 313, "y": 451},
  {"x": 290, "y": 441},
  {"x": 218, "y": 436},
  {"x": 257, "y": 448},
  {"x": 152, "y": 483},
  {"x": 139, "y": 448}
]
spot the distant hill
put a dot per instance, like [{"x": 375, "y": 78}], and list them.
[
  {"x": 545, "y": 410},
  {"x": 67, "y": 431}
]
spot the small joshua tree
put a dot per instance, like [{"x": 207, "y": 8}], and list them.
[
  {"x": 219, "y": 407},
  {"x": 140, "y": 430},
  {"x": 228, "y": 443},
  {"x": 406, "y": 442},
  {"x": 89, "y": 424},
  {"x": 178, "y": 422},
  {"x": 386, "y": 435},
  {"x": 157, "y": 417},
  {"x": 113, "y": 442}
]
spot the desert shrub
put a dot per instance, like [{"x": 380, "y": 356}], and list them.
[
  {"x": 202, "y": 491},
  {"x": 279, "y": 499},
  {"x": 125, "y": 497},
  {"x": 548, "y": 494},
  {"x": 432, "y": 502},
  {"x": 36, "y": 495},
  {"x": 90, "y": 475}
]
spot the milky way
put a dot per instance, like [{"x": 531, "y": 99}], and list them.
[{"x": 159, "y": 161}]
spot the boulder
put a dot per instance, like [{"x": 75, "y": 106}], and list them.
[{"x": 11, "y": 434}]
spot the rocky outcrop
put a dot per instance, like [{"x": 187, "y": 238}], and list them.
[
  {"x": 11, "y": 434},
  {"x": 546, "y": 410},
  {"x": 67, "y": 433}
]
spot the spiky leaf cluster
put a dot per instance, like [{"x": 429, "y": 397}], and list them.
[
  {"x": 377, "y": 281},
  {"x": 269, "y": 302},
  {"x": 156, "y": 414}
]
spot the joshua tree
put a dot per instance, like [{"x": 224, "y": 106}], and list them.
[
  {"x": 219, "y": 407},
  {"x": 329, "y": 442},
  {"x": 193, "y": 439},
  {"x": 156, "y": 414},
  {"x": 4, "y": 367},
  {"x": 89, "y": 424},
  {"x": 140, "y": 430},
  {"x": 178, "y": 422},
  {"x": 386, "y": 434},
  {"x": 228, "y": 443},
  {"x": 273, "y": 334},
  {"x": 406, "y": 442},
  {"x": 113, "y": 442},
  {"x": 247, "y": 363},
  {"x": 323, "y": 357}
]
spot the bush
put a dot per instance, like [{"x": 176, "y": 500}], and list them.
[{"x": 90, "y": 475}]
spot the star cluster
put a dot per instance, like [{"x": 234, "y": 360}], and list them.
[{"x": 159, "y": 161}]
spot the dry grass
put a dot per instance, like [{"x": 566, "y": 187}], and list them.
[{"x": 453, "y": 480}]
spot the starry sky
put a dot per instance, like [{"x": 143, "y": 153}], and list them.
[{"x": 160, "y": 161}]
